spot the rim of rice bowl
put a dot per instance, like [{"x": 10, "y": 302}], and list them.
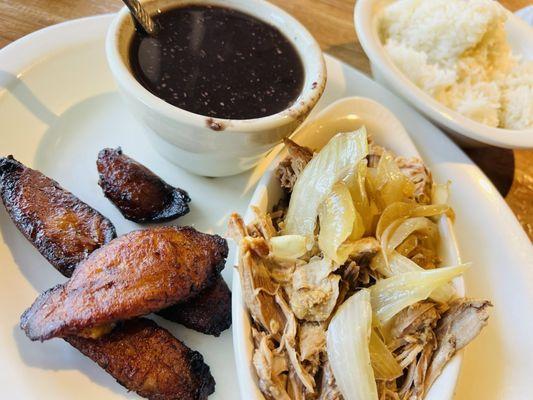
[{"x": 462, "y": 128}]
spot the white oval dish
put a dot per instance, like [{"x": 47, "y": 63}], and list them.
[
  {"x": 464, "y": 130},
  {"x": 214, "y": 146},
  {"x": 343, "y": 115}
]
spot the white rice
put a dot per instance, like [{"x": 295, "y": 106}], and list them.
[{"x": 457, "y": 51}]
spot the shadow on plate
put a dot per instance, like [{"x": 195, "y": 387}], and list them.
[
  {"x": 31, "y": 263},
  {"x": 57, "y": 354},
  {"x": 24, "y": 94}
]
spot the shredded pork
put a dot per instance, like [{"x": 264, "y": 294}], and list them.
[
  {"x": 458, "y": 327},
  {"x": 291, "y": 302},
  {"x": 290, "y": 168},
  {"x": 417, "y": 172}
]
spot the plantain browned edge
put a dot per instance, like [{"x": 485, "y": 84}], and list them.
[
  {"x": 139, "y": 194},
  {"x": 64, "y": 229},
  {"x": 138, "y": 273},
  {"x": 209, "y": 312},
  {"x": 147, "y": 359}
]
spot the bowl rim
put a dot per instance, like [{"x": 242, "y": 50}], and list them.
[
  {"x": 366, "y": 29},
  {"x": 242, "y": 341},
  {"x": 304, "y": 43}
]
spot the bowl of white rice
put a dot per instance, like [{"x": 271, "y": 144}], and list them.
[{"x": 467, "y": 65}]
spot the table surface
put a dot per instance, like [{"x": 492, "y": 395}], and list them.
[{"x": 330, "y": 21}]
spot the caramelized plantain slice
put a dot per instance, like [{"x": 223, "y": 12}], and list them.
[
  {"x": 147, "y": 359},
  {"x": 139, "y": 194},
  {"x": 64, "y": 229},
  {"x": 141, "y": 272},
  {"x": 209, "y": 312}
]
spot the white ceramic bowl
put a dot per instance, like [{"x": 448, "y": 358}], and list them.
[
  {"x": 212, "y": 146},
  {"x": 343, "y": 115},
  {"x": 464, "y": 130}
]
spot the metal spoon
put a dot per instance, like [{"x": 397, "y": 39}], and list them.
[{"x": 142, "y": 17}]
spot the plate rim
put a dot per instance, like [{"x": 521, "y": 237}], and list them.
[{"x": 22, "y": 54}]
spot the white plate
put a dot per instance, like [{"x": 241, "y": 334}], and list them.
[
  {"x": 59, "y": 107},
  {"x": 344, "y": 115}
]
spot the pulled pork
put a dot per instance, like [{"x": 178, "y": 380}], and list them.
[
  {"x": 416, "y": 171},
  {"x": 287, "y": 351},
  {"x": 291, "y": 302},
  {"x": 290, "y": 168},
  {"x": 425, "y": 336}
]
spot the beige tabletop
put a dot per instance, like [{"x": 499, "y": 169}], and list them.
[{"x": 331, "y": 22}]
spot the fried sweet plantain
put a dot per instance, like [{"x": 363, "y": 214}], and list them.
[
  {"x": 209, "y": 312},
  {"x": 139, "y": 194},
  {"x": 147, "y": 359},
  {"x": 64, "y": 229},
  {"x": 141, "y": 272}
]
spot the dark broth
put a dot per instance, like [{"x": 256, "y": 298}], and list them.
[{"x": 218, "y": 62}]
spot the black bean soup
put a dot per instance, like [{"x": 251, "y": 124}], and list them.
[{"x": 218, "y": 62}]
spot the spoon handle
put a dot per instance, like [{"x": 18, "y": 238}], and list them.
[{"x": 141, "y": 16}]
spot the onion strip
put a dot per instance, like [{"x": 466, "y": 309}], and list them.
[
  {"x": 331, "y": 165},
  {"x": 338, "y": 221},
  {"x": 390, "y": 296},
  {"x": 398, "y": 264},
  {"x": 383, "y": 362},
  {"x": 348, "y": 340},
  {"x": 403, "y": 211}
]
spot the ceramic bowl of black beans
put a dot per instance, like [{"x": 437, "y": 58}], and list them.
[{"x": 220, "y": 83}]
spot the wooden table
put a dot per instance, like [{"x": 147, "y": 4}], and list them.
[{"x": 330, "y": 21}]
